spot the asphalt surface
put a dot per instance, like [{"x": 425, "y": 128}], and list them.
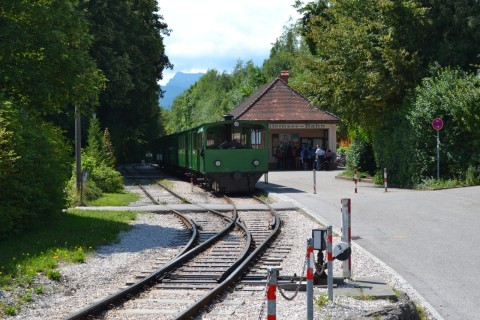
[{"x": 429, "y": 238}]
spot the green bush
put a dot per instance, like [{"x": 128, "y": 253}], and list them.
[
  {"x": 395, "y": 150},
  {"x": 453, "y": 96},
  {"x": 342, "y": 150},
  {"x": 107, "y": 179},
  {"x": 472, "y": 176},
  {"x": 90, "y": 192},
  {"x": 360, "y": 155},
  {"x": 34, "y": 170}
]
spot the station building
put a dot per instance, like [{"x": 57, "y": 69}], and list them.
[{"x": 293, "y": 121}]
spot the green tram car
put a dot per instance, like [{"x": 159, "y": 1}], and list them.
[{"x": 228, "y": 156}]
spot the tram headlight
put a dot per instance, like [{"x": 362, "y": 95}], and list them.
[
  {"x": 217, "y": 163},
  {"x": 256, "y": 163}
]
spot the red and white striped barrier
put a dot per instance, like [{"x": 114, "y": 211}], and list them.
[
  {"x": 347, "y": 235},
  {"x": 271, "y": 294},
  {"x": 355, "y": 178},
  {"x": 310, "y": 263},
  {"x": 385, "y": 180},
  {"x": 329, "y": 263}
]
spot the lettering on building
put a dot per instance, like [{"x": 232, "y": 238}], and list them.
[{"x": 296, "y": 126}]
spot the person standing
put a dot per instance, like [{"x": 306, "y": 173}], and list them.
[
  {"x": 304, "y": 155},
  {"x": 319, "y": 157},
  {"x": 328, "y": 159},
  {"x": 278, "y": 155}
]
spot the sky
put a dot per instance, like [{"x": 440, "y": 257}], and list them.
[{"x": 215, "y": 34}]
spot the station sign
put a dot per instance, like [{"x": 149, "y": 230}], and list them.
[{"x": 296, "y": 126}]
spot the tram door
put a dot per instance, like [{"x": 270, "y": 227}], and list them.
[{"x": 198, "y": 151}]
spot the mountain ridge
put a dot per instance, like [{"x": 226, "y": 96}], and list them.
[{"x": 180, "y": 82}]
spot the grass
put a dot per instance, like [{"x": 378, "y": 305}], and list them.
[
  {"x": 67, "y": 238},
  {"x": 167, "y": 183},
  {"x": 114, "y": 199},
  {"x": 440, "y": 184},
  {"x": 322, "y": 300},
  {"x": 360, "y": 174}
]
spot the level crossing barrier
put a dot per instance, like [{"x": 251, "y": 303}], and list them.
[
  {"x": 385, "y": 180},
  {"x": 355, "y": 178},
  {"x": 347, "y": 235}
]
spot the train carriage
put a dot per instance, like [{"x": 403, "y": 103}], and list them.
[{"x": 230, "y": 156}]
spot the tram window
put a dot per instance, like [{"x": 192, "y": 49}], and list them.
[
  {"x": 215, "y": 136},
  {"x": 256, "y": 138},
  {"x": 210, "y": 140},
  {"x": 198, "y": 141}
]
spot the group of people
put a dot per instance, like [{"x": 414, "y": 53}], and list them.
[{"x": 305, "y": 158}]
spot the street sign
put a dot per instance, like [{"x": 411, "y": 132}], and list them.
[{"x": 437, "y": 124}]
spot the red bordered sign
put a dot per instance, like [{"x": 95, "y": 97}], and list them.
[{"x": 437, "y": 124}]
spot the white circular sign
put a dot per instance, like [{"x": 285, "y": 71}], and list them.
[{"x": 341, "y": 251}]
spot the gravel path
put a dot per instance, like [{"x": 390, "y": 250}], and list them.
[{"x": 105, "y": 271}]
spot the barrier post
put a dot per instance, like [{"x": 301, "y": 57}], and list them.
[
  {"x": 385, "y": 180},
  {"x": 347, "y": 235},
  {"x": 271, "y": 294},
  {"x": 310, "y": 279},
  {"x": 330, "y": 263},
  {"x": 314, "y": 181},
  {"x": 191, "y": 183},
  {"x": 355, "y": 178}
]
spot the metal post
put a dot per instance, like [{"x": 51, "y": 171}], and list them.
[
  {"x": 271, "y": 291},
  {"x": 347, "y": 235},
  {"x": 438, "y": 154},
  {"x": 355, "y": 178},
  {"x": 314, "y": 181},
  {"x": 330, "y": 263},
  {"x": 78, "y": 150},
  {"x": 191, "y": 183},
  {"x": 385, "y": 180},
  {"x": 310, "y": 279}
]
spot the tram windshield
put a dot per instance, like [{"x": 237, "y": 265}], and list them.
[{"x": 243, "y": 136}]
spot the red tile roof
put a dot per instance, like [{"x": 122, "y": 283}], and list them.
[{"x": 277, "y": 102}]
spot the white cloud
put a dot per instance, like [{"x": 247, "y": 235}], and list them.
[{"x": 214, "y": 34}]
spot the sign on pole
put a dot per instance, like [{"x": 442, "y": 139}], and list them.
[{"x": 437, "y": 124}]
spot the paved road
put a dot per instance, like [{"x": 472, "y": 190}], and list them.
[{"x": 430, "y": 238}]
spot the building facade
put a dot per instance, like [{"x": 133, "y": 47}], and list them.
[{"x": 293, "y": 122}]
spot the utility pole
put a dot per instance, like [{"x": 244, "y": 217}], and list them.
[{"x": 78, "y": 150}]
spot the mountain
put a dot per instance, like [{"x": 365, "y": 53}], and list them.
[{"x": 176, "y": 86}]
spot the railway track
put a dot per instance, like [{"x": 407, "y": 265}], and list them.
[{"x": 225, "y": 248}]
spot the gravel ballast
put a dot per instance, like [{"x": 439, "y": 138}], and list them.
[{"x": 108, "y": 268}]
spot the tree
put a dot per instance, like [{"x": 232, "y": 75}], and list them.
[
  {"x": 95, "y": 141},
  {"x": 283, "y": 54},
  {"x": 453, "y": 37},
  {"x": 205, "y": 101},
  {"x": 108, "y": 149},
  {"x": 128, "y": 47},
  {"x": 45, "y": 67},
  {"x": 213, "y": 95},
  {"x": 245, "y": 78},
  {"x": 365, "y": 56}
]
